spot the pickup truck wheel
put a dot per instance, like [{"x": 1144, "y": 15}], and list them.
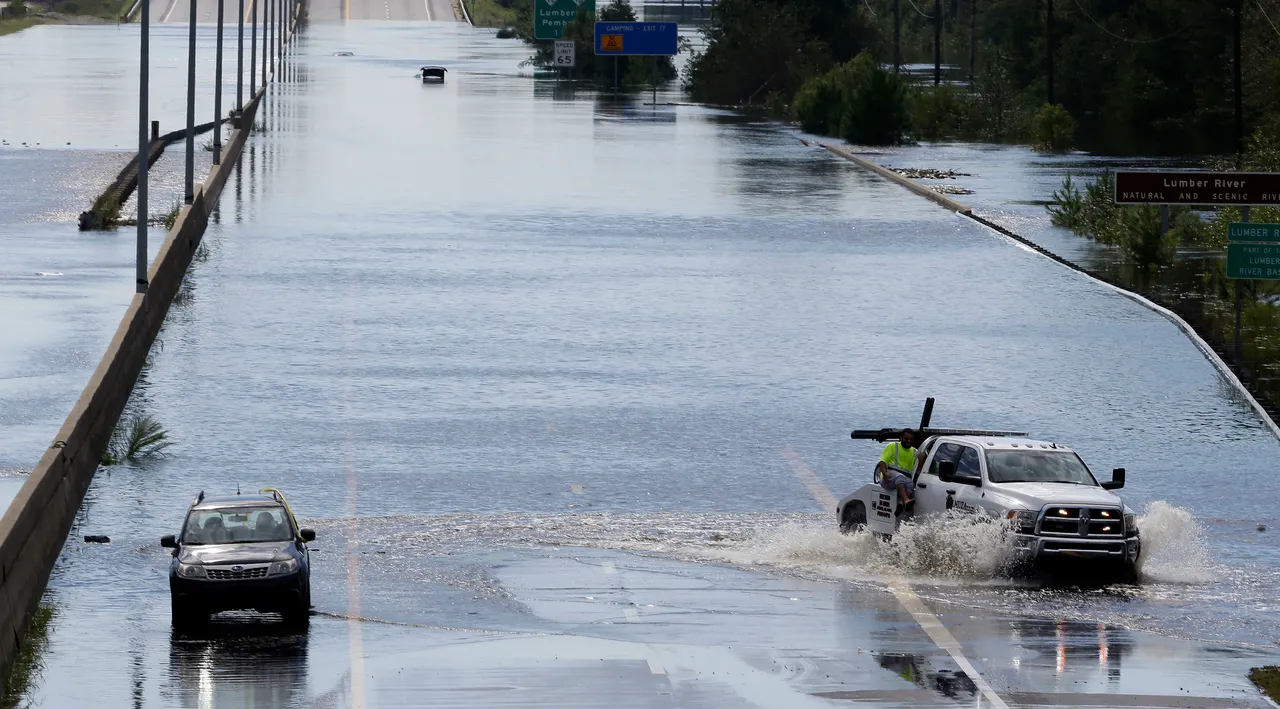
[{"x": 855, "y": 518}]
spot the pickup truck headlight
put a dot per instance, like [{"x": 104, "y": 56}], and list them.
[
  {"x": 1131, "y": 525},
  {"x": 1022, "y": 521},
  {"x": 283, "y": 567},
  {"x": 191, "y": 571}
]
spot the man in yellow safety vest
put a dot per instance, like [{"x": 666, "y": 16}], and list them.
[{"x": 897, "y": 463}]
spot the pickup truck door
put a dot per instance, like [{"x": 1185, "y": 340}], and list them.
[
  {"x": 967, "y": 498},
  {"x": 931, "y": 498}
]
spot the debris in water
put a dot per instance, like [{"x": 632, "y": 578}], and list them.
[
  {"x": 48, "y": 273},
  {"x": 928, "y": 173},
  {"x": 1262, "y": 527},
  {"x": 950, "y": 189},
  {"x": 97, "y": 539}
]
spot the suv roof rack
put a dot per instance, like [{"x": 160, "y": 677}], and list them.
[{"x": 893, "y": 434}]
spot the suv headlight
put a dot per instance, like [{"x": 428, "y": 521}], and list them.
[
  {"x": 283, "y": 567},
  {"x": 1022, "y": 521},
  {"x": 1131, "y": 525},
  {"x": 191, "y": 571}
]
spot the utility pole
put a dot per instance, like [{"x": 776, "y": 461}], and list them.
[
  {"x": 190, "y": 193},
  {"x": 217, "y": 93},
  {"x": 937, "y": 42},
  {"x": 1239, "y": 87},
  {"x": 144, "y": 148},
  {"x": 1048, "y": 33},
  {"x": 897, "y": 35},
  {"x": 973, "y": 46}
]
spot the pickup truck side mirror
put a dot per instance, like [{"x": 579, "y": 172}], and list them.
[
  {"x": 168, "y": 542},
  {"x": 947, "y": 474},
  {"x": 1117, "y": 480}
]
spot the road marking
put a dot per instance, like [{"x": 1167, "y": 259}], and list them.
[
  {"x": 810, "y": 480},
  {"x": 173, "y": 4},
  {"x": 575, "y": 489},
  {"x": 901, "y": 590},
  {"x": 248, "y": 12},
  {"x": 346, "y": 4}
]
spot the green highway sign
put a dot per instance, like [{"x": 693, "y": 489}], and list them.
[
  {"x": 1245, "y": 231},
  {"x": 550, "y": 16},
  {"x": 1257, "y": 261}
]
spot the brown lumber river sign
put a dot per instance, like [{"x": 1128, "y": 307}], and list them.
[{"x": 1204, "y": 188}]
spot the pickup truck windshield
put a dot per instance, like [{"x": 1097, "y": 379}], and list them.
[
  {"x": 1034, "y": 466},
  {"x": 238, "y": 524}
]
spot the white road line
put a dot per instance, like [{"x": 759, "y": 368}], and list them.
[
  {"x": 928, "y": 622},
  {"x": 172, "y": 5},
  {"x": 810, "y": 480},
  {"x": 427, "y": 5}
]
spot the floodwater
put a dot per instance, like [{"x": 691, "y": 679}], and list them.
[{"x": 553, "y": 375}]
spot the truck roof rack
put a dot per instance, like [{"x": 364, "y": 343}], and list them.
[{"x": 893, "y": 434}]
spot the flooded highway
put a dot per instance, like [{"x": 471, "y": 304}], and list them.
[{"x": 560, "y": 379}]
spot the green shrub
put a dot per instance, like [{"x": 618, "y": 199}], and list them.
[
  {"x": 858, "y": 101},
  {"x": 938, "y": 112},
  {"x": 1052, "y": 128},
  {"x": 1067, "y": 208},
  {"x": 137, "y": 437},
  {"x": 17, "y": 9}
]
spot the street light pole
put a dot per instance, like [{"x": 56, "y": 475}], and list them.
[
  {"x": 897, "y": 34},
  {"x": 217, "y": 93},
  {"x": 190, "y": 193},
  {"x": 144, "y": 147},
  {"x": 253, "y": 48},
  {"x": 240, "y": 60}
]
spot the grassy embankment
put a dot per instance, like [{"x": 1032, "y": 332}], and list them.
[
  {"x": 489, "y": 13},
  {"x": 1268, "y": 680},
  {"x": 18, "y": 24},
  {"x": 25, "y": 673},
  {"x": 33, "y": 14}
]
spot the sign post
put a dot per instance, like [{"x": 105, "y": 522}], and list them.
[
  {"x": 1253, "y": 250},
  {"x": 637, "y": 39},
  {"x": 550, "y": 16}
]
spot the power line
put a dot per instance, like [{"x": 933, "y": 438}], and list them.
[
  {"x": 913, "y": 5},
  {"x": 1264, "y": 14},
  {"x": 1123, "y": 38}
]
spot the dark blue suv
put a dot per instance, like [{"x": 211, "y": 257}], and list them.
[{"x": 240, "y": 552}]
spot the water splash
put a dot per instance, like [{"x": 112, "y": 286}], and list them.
[
  {"x": 1173, "y": 546},
  {"x": 952, "y": 547}
]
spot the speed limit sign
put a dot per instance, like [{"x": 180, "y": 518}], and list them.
[{"x": 564, "y": 54}]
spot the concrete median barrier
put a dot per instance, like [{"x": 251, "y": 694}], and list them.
[{"x": 34, "y": 528}]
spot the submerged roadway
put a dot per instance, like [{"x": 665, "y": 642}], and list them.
[{"x": 564, "y": 383}]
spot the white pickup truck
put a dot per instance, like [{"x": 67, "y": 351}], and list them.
[{"x": 1052, "y": 504}]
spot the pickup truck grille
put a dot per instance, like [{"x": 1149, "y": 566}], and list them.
[
  {"x": 229, "y": 573},
  {"x": 1104, "y": 522}
]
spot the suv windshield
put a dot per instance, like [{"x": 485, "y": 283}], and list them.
[
  {"x": 1033, "y": 466},
  {"x": 237, "y": 524}
]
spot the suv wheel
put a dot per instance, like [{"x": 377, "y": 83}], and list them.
[{"x": 185, "y": 615}]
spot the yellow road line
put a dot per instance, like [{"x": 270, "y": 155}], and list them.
[
  {"x": 346, "y": 4},
  {"x": 901, "y": 590}
]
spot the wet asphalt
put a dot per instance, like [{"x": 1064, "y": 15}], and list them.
[{"x": 539, "y": 364}]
